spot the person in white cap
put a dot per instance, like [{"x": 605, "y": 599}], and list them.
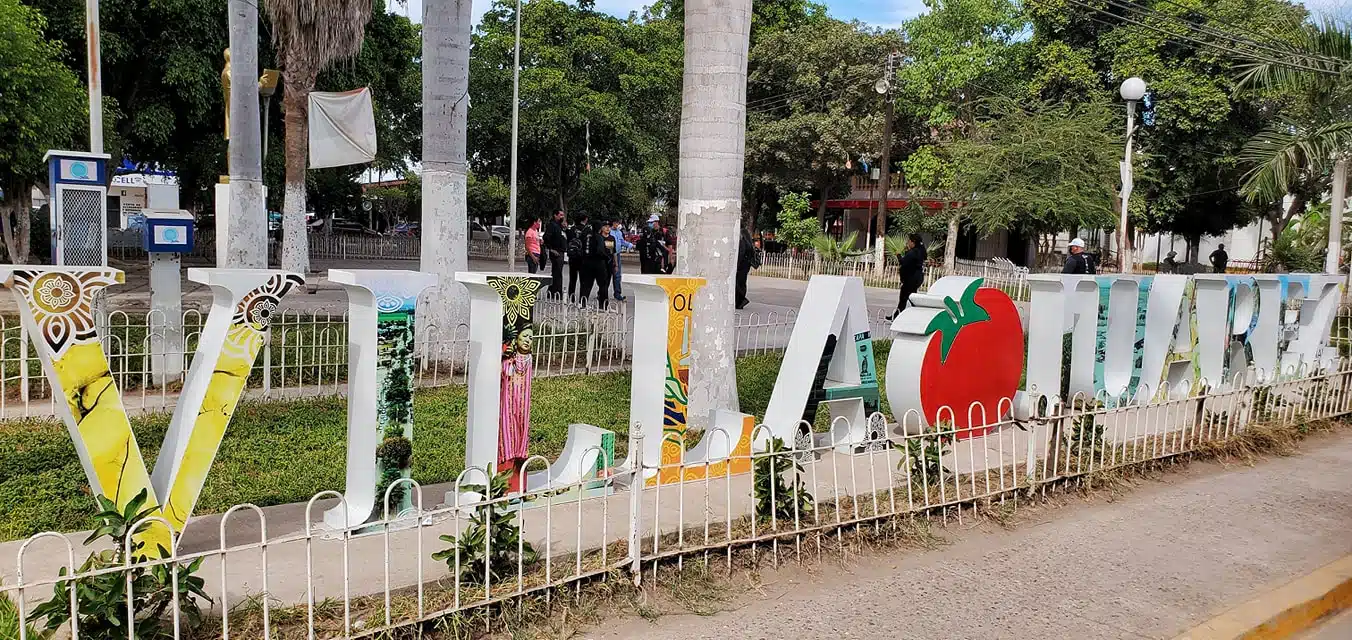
[{"x": 1076, "y": 263}]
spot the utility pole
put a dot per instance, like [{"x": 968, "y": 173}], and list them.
[
  {"x": 516, "y": 117},
  {"x": 246, "y": 242},
  {"x": 884, "y": 87},
  {"x": 94, "y": 65}
]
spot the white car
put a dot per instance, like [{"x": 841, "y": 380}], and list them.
[{"x": 496, "y": 233}]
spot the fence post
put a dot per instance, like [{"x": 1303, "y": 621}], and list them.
[
  {"x": 589, "y": 328},
  {"x": 23, "y": 363},
  {"x": 267, "y": 362},
  {"x": 636, "y": 503}
]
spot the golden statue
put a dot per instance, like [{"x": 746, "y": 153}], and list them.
[
  {"x": 225, "y": 85},
  {"x": 267, "y": 85}
]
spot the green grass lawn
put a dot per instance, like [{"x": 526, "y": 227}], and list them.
[{"x": 281, "y": 452}]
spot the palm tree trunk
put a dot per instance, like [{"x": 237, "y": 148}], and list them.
[
  {"x": 1332, "y": 261},
  {"x": 295, "y": 245},
  {"x": 446, "y": 28},
  {"x": 712, "y": 154}
]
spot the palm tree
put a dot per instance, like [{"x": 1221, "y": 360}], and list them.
[
  {"x": 1295, "y": 153},
  {"x": 712, "y": 153},
  {"x": 309, "y": 36}
]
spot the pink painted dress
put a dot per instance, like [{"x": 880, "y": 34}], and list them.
[{"x": 514, "y": 421}]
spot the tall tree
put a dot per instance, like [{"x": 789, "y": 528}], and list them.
[
  {"x": 445, "y": 225},
  {"x": 309, "y": 35},
  {"x": 161, "y": 69},
  {"x": 959, "y": 52},
  {"x": 1188, "y": 151},
  {"x": 596, "y": 91},
  {"x": 813, "y": 110},
  {"x": 712, "y": 154},
  {"x": 40, "y": 108},
  {"x": 1038, "y": 167}
]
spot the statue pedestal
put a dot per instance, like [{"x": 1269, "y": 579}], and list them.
[{"x": 224, "y": 216}]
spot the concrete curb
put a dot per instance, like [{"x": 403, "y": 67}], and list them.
[{"x": 1291, "y": 609}]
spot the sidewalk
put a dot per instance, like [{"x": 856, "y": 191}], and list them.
[{"x": 1150, "y": 563}]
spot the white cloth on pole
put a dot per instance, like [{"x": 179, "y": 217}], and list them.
[{"x": 342, "y": 128}]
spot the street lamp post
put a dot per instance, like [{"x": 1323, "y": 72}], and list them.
[
  {"x": 1133, "y": 89},
  {"x": 516, "y": 114},
  {"x": 884, "y": 88}
]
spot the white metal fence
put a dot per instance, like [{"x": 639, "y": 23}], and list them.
[
  {"x": 268, "y": 576},
  {"x": 127, "y": 245},
  {"x": 999, "y": 273}
]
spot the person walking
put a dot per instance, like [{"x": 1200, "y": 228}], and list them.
[
  {"x": 1076, "y": 262},
  {"x": 748, "y": 258},
  {"x": 618, "y": 246},
  {"x": 577, "y": 236},
  {"x": 652, "y": 250},
  {"x": 533, "y": 247},
  {"x": 912, "y": 271},
  {"x": 1219, "y": 258},
  {"x": 556, "y": 244}
]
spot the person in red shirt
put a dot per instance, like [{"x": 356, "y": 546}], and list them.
[{"x": 533, "y": 247}]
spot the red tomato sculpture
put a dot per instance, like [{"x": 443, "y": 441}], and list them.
[{"x": 969, "y": 356}]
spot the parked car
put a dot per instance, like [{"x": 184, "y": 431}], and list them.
[{"x": 496, "y": 232}]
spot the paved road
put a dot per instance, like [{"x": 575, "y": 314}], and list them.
[
  {"x": 1150, "y": 564},
  {"x": 768, "y": 295}
]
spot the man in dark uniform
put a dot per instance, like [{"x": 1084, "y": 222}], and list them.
[{"x": 556, "y": 245}]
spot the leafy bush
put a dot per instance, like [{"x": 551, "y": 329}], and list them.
[
  {"x": 9, "y": 623},
  {"x": 393, "y": 457},
  {"x": 102, "y": 599},
  {"x": 829, "y": 249},
  {"x": 776, "y": 498},
  {"x": 478, "y": 555},
  {"x": 794, "y": 230},
  {"x": 923, "y": 456}
]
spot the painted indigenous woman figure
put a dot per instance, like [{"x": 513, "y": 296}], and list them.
[{"x": 518, "y": 367}]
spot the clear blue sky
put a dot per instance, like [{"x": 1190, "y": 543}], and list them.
[{"x": 885, "y": 13}]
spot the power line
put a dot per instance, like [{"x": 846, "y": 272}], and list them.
[
  {"x": 1169, "y": 37},
  {"x": 1283, "y": 50}
]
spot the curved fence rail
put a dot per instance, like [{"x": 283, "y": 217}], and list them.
[{"x": 269, "y": 576}]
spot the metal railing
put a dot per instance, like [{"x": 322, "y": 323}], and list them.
[
  {"x": 268, "y": 576},
  {"x": 127, "y": 245},
  {"x": 998, "y": 272}
]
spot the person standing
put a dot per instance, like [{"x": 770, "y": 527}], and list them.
[
  {"x": 577, "y": 236},
  {"x": 533, "y": 247},
  {"x": 593, "y": 263},
  {"x": 619, "y": 246},
  {"x": 748, "y": 258},
  {"x": 1076, "y": 262},
  {"x": 669, "y": 236},
  {"x": 556, "y": 243},
  {"x": 652, "y": 250},
  {"x": 912, "y": 270},
  {"x": 1219, "y": 258}
]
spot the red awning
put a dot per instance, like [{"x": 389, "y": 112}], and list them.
[{"x": 873, "y": 204}]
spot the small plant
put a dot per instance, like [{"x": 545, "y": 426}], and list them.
[
  {"x": 923, "y": 456},
  {"x": 102, "y": 599},
  {"x": 393, "y": 458},
  {"x": 492, "y": 543},
  {"x": 9, "y": 623},
  {"x": 776, "y": 498},
  {"x": 1087, "y": 437}
]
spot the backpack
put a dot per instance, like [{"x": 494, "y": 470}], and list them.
[{"x": 575, "y": 242}]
